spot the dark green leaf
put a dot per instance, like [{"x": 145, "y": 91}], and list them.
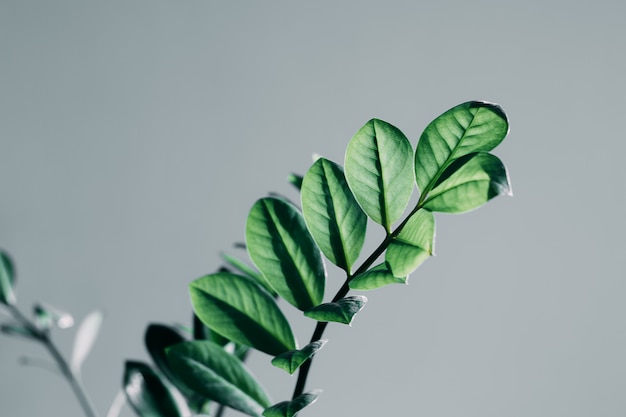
[
  {"x": 413, "y": 245},
  {"x": 240, "y": 310},
  {"x": 17, "y": 330},
  {"x": 291, "y": 408},
  {"x": 207, "y": 369},
  {"x": 377, "y": 277},
  {"x": 7, "y": 279},
  {"x": 333, "y": 216},
  {"x": 159, "y": 337},
  {"x": 342, "y": 311},
  {"x": 148, "y": 394},
  {"x": 467, "y": 128},
  {"x": 281, "y": 246},
  {"x": 379, "y": 170},
  {"x": 292, "y": 360},
  {"x": 248, "y": 271},
  {"x": 475, "y": 179},
  {"x": 295, "y": 180}
]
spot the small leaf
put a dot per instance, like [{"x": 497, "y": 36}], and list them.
[
  {"x": 47, "y": 315},
  {"x": 333, "y": 216},
  {"x": 292, "y": 360},
  {"x": 207, "y": 369},
  {"x": 17, "y": 330},
  {"x": 413, "y": 245},
  {"x": 379, "y": 170},
  {"x": 470, "y": 127},
  {"x": 474, "y": 180},
  {"x": 342, "y": 311},
  {"x": 148, "y": 395},
  {"x": 238, "y": 309},
  {"x": 295, "y": 180},
  {"x": 248, "y": 271},
  {"x": 291, "y": 408},
  {"x": 7, "y": 279},
  {"x": 85, "y": 338},
  {"x": 376, "y": 277},
  {"x": 281, "y": 246}
]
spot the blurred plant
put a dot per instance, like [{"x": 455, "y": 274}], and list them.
[
  {"x": 38, "y": 329},
  {"x": 201, "y": 370}
]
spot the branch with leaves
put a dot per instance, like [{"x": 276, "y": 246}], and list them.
[{"x": 201, "y": 371}]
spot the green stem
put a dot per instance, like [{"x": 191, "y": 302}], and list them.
[
  {"x": 303, "y": 372},
  {"x": 44, "y": 338}
]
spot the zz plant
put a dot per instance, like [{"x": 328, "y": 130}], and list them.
[{"x": 237, "y": 308}]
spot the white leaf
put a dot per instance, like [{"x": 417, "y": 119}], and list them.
[{"x": 85, "y": 338}]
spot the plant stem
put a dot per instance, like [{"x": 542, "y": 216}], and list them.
[
  {"x": 303, "y": 372},
  {"x": 43, "y": 337}
]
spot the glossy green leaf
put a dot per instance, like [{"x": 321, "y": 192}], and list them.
[
  {"x": 413, "y": 245},
  {"x": 7, "y": 280},
  {"x": 148, "y": 395},
  {"x": 240, "y": 310},
  {"x": 248, "y": 271},
  {"x": 342, "y": 311},
  {"x": 207, "y": 369},
  {"x": 292, "y": 360},
  {"x": 376, "y": 277},
  {"x": 473, "y": 180},
  {"x": 332, "y": 215},
  {"x": 291, "y": 408},
  {"x": 282, "y": 248},
  {"x": 470, "y": 127},
  {"x": 85, "y": 338},
  {"x": 379, "y": 170}
]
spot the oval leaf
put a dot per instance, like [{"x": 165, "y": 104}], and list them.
[
  {"x": 291, "y": 408},
  {"x": 7, "y": 280},
  {"x": 212, "y": 372},
  {"x": 379, "y": 170},
  {"x": 470, "y": 127},
  {"x": 240, "y": 310},
  {"x": 474, "y": 180},
  {"x": 376, "y": 277},
  {"x": 413, "y": 245},
  {"x": 148, "y": 395},
  {"x": 292, "y": 360},
  {"x": 333, "y": 216},
  {"x": 282, "y": 248},
  {"x": 342, "y": 311},
  {"x": 85, "y": 338}
]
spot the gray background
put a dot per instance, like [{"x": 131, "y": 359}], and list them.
[{"x": 135, "y": 136}]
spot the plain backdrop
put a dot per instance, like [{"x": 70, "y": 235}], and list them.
[{"x": 136, "y": 135}]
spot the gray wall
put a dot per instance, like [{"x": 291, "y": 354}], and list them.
[{"x": 135, "y": 135}]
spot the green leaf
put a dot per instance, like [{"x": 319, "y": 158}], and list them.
[
  {"x": 85, "y": 339},
  {"x": 281, "y": 246},
  {"x": 291, "y": 408},
  {"x": 248, "y": 271},
  {"x": 413, "y": 245},
  {"x": 342, "y": 311},
  {"x": 292, "y": 360},
  {"x": 376, "y": 277},
  {"x": 473, "y": 180},
  {"x": 17, "y": 330},
  {"x": 379, "y": 170},
  {"x": 333, "y": 216},
  {"x": 148, "y": 395},
  {"x": 295, "y": 180},
  {"x": 7, "y": 279},
  {"x": 470, "y": 127},
  {"x": 207, "y": 369},
  {"x": 240, "y": 310}
]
